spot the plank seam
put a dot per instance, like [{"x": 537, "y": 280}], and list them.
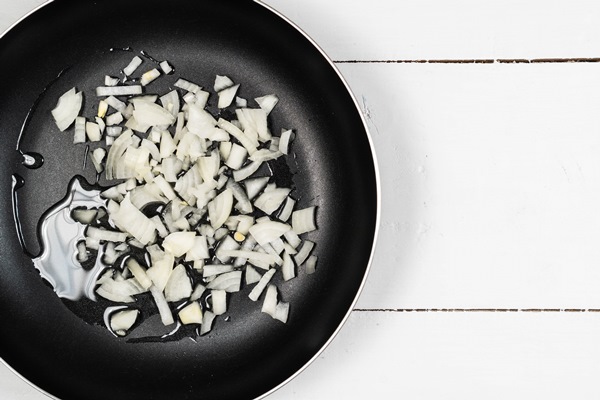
[
  {"x": 481, "y": 310},
  {"x": 477, "y": 61}
]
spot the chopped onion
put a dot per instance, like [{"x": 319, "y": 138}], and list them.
[
  {"x": 219, "y": 301},
  {"x": 163, "y": 307},
  {"x": 187, "y": 85},
  {"x": 105, "y": 235},
  {"x": 270, "y": 201},
  {"x": 216, "y": 269},
  {"x": 151, "y": 114},
  {"x": 84, "y": 216},
  {"x": 199, "y": 250},
  {"x": 160, "y": 271},
  {"x": 304, "y": 252},
  {"x": 67, "y": 108},
  {"x": 132, "y": 90},
  {"x": 116, "y": 103},
  {"x": 92, "y": 131},
  {"x": 220, "y": 208},
  {"x": 265, "y": 232},
  {"x": 149, "y": 76},
  {"x": 170, "y": 102},
  {"x": 229, "y": 282},
  {"x": 166, "y": 67},
  {"x": 311, "y": 264},
  {"x": 304, "y": 220},
  {"x": 234, "y": 131},
  {"x": 246, "y": 171},
  {"x": 207, "y": 322},
  {"x": 261, "y": 285},
  {"x": 236, "y": 156},
  {"x": 284, "y": 143},
  {"x": 102, "y": 108},
  {"x": 240, "y": 102},
  {"x": 288, "y": 268},
  {"x": 132, "y": 66},
  {"x": 97, "y": 158},
  {"x": 228, "y": 243},
  {"x": 191, "y": 314},
  {"x": 114, "y": 119},
  {"x": 282, "y": 311},
  {"x": 270, "y": 301},
  {"x": 139, "y": 273},
  {"x": 286, "y": 211},
  {"x": 122, "y": 321},
  {"x": 252, "y": 276},
  {"x": 227, "y": 95},
  {"x": 79, "y": 136},
  {"x": 110, "y": 81},
  {"x": 179, "y": 286},
  {"x": 222, "y": 82},
  {"x": 179, "y": 243},
  {"x": 292, "y": 238},
  {"x": 131, "y": 220},
  {"x": 268, "y": 102}
]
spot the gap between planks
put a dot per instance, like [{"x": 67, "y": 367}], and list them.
[
  {"x": 480, "y": 310},
  {"x": 477, "y": 61}
]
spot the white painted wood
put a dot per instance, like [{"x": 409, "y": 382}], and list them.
[
  {"x": 490, "y": 183},
  {"x": 413, "y": 29},
  {"x": 430, "y": 29},
  {"x": 456, "y": 356}
]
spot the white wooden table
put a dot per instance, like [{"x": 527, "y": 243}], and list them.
[{"x": 486, "y": 121}]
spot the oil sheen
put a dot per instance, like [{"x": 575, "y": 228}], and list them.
[{"x": 59, "y": 234}]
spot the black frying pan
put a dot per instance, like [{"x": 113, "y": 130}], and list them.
[{"x": 251, "y": 354}]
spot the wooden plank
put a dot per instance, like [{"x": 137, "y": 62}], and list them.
[
  {"x": 442, "y": 355},
  {"x": 490, "y": 184},
  {"x": 456, "y": 356},
  {"x": 417, "y": 30},
  {"x": 459, "y": 29}
]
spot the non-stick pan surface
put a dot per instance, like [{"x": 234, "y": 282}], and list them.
[{"x": 250, "y": 354}]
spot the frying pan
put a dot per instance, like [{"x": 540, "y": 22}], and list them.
[{"x": 55, "y": 345}]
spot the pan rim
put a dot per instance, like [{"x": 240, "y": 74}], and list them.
[{"x": 369, "y": 137}]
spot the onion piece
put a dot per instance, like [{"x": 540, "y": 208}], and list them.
[
  {"x": 149, "y": 76},
  {"x": 304, "y": 252},
  {"x": 292, "y": 238},
  {"x": 92, "y": 130},
  {"x": 166, "y": 67},
  {"x": 236, "y": 156},
  {"x": 265, "y": 155},
  {"x": 179, "y": 286},
  {"x": 284, "y": 142},
  {"x": 282, "y": 311},
  {"x": 207, "y": 322},
  {"x": 240, "y": 102},
  {"x": 246, "y": 171},
  {"x": 216, "y": 269},
  {"x": 228, "y": 243},
  {"x": 131, "y": 220},
  {"x": 286, "y": 211},
  {"x": 105, "y": 235},
  {"x": 187, "y": 85},
  {"x": 139, "y": 273},
  {"x": 67, "y": 109},
  {"x": 288, "y": 267},
  {"x": 170, "y": 102},
  {"x": 228, "y": 281},
  {"x": 116, "y": 103},
  {"x": 311, "y": 264},
  {"x": 151, "y": 114},
  {"x": 222, "y": 82},
  {"x": 132, "y": 66},
  {"x": 160, "y": 271},
  {"x": 163, "y": 307},
  {"x": 255, "y": 185},
  {"x": 271, "y": 200},
  {"x": 110, "y": 81},
  {"x": 132, "y": 90},
  {"x": 191, "y": 314},
  {"x": 304, "y": 220},
  {"x": 252, "y": 256},
  {"x": 234, "y": 131},
  {"x": 179, "y": 243},
  {"x": 198, "y": 292},
  {"x": 227, "y": 95},
  {"x": 268, "y": 102},
  {"x": 270, "y": 302},
  {"x": 265, "y": 232},
  {"x": 122, "y": 321},
  {"x": 97, "y": 158},
  {"x": 220, "y": 207},
  {"x": 252, "y": 276},
  {"x": 219, "y": 301},
  {"x": 102, "y": 108},
  {"x": 83, "y": 215},
  {"x": 79, "y": 136},
  {"x": 261, "y": 285},
  {"x": 199, "y": 250},
  {"x": 114, "y": 119}
]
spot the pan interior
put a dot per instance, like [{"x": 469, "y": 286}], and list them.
[{"x": 250, "y": 354}]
